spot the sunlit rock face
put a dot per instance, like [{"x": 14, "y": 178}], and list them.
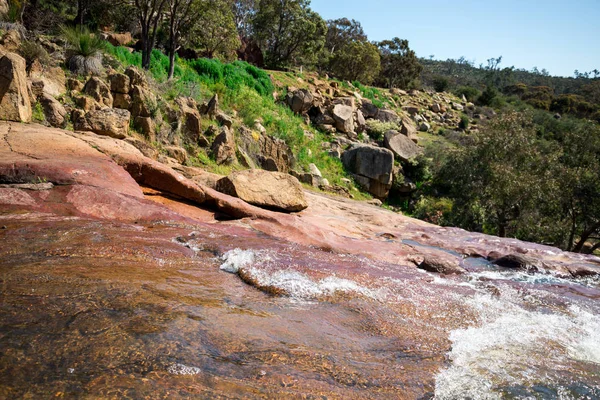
[{"x": 110, "y": 290}]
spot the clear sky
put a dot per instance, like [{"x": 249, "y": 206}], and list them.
[{"x": 558, "y": 35}]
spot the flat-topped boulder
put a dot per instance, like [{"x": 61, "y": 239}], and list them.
[
  {"x": 271, "y": 190},
  {"x": 402, "y": 146}
]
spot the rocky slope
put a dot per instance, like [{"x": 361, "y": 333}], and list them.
[{"x": 101, "y": 177}]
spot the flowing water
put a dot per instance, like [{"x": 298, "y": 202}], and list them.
[{"x": 94, "y": 309}]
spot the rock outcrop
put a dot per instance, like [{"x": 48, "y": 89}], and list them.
[
  {"x": 271, "y": 154},
  {"x": 343, "y": 117},
  {"x": 402, "y": 147},
  {"x": 272, "y": 190},
  {"x": 223, "y": 147},
  {"x": 15, "y": 104},
  {"x": 55, "y": 113},
  {"x": 99, "y": 91},
  {"x": 373, "y": 167},
  {"x": 111, "y": 122}
]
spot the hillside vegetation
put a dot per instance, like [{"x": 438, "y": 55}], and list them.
[{"x": 489, "y": 148}]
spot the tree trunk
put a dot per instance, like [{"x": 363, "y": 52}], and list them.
[
  {"x": 585, "y": 236},
  {"x": 171, "y": 60}
]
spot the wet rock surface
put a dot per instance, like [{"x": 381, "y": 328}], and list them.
[{"x": 111, "y": 292}]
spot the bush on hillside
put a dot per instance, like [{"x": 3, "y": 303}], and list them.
[
  {"x": 32, "y": 51},
  {"x": 84, "y": 50},
  {"x": 488, "y": 96},
  {"x": 464, "y": 123},
  {"x": 470, "y": 93},
  {"x": 377, "y": 129},
  {"x": 440, "y": 83}
]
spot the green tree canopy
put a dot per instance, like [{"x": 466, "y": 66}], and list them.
[
  {"x": 356, "y": 61},
  {"x": 289, "y": 32},
  {"x": 399, "y": 64},
  {"x": 214, "y": 32}
]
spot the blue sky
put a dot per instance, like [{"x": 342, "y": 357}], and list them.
[{"x": 558, "y": 35}]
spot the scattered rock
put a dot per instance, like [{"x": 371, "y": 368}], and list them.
[
  {"x": 11, "y": 41},
  {"x": 15, "y": 104},
  {"x": 223, "y": 147},
  {"x": 300, "y": 101},
  {"x": 119, "y": 83},
  {"x": 111, "y": 122},
  {"x": 225, "y": 120},
  {"x": 143, "y": 102},
  {"x": 401, "y": 145},
  {"x": 314, "y": 170},
  {"x": 343, "y": 116},
  {"x": 147, "y": 126},
  {"x": 387, "y": 116},
  {"x": 412, "y": 110},
  {"x": 273, "y": 190},
  {"x": 269, "y": 153},
  {"x": 424, "y": 127},
  {"x": 368, "y": 109},
  {"x": 55, "y": 113},
  {"x": 177, "y": 153},
  {"x": 213, "y": 106},
  {"x": 373, "y": 164},
  {"x": 99, "y": 91},
  {"x": 119, "y": 39},
  {"x": 51, "y": 80},
  {"x": 136, "y": 77},
  {"x": 441, "y": 264},
  {"x": 86, "y": 103},
  {"x": 191, "y": 118},
  {"x": 74, "y": 85},
  {"x": 121, "y": 100}
]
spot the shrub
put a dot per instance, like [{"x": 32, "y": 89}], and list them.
[
  {"x": 464, "y": 122},
  {"x": 38, "y": 113},
  {"x": 487, "y": 97},
  {"x": 434, "y": 210},
  {"x": 470, "y": 93},
  {"x": 440, "y": 83},
  {"x": 377, "y": 129},
  {"x": 84, "y": 50},
  {"x": 32, "y": 51},
  {"x": 14, "y": 12}
]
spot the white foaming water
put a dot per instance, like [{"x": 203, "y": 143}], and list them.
[
  {"x": 236, "y": 259},
  {"x": 181, "y": 369},
  {"x": 296, "y": 284},
  {"x": 514, "y": 347},
  {"x": 299, "y": 285}
]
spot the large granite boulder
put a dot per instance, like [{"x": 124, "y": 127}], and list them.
[
  {"x": 55, "y": 113},
  {"x": 112, "y": 122},
  {"x": 190, "y": 117},
  {"x": 300, "y": 101},
  {"x": 402, "y": 146},
  {"x": 99, "y": 91},
  {"x": 15, "y": 104},
  {"x": 268, "y": 152},
  {"x": 344, "y": 118},
  {"x": 272, "y": 190},
  {"x": 372, "y": 166},
  {"x": 223, "y": 147},
  {"x": 143, "y": 102},
  {"x": 387, "y": 116},
  {"x": 120, "y": 83}
]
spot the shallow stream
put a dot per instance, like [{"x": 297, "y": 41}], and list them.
[{"x": 92, "y": 309}]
